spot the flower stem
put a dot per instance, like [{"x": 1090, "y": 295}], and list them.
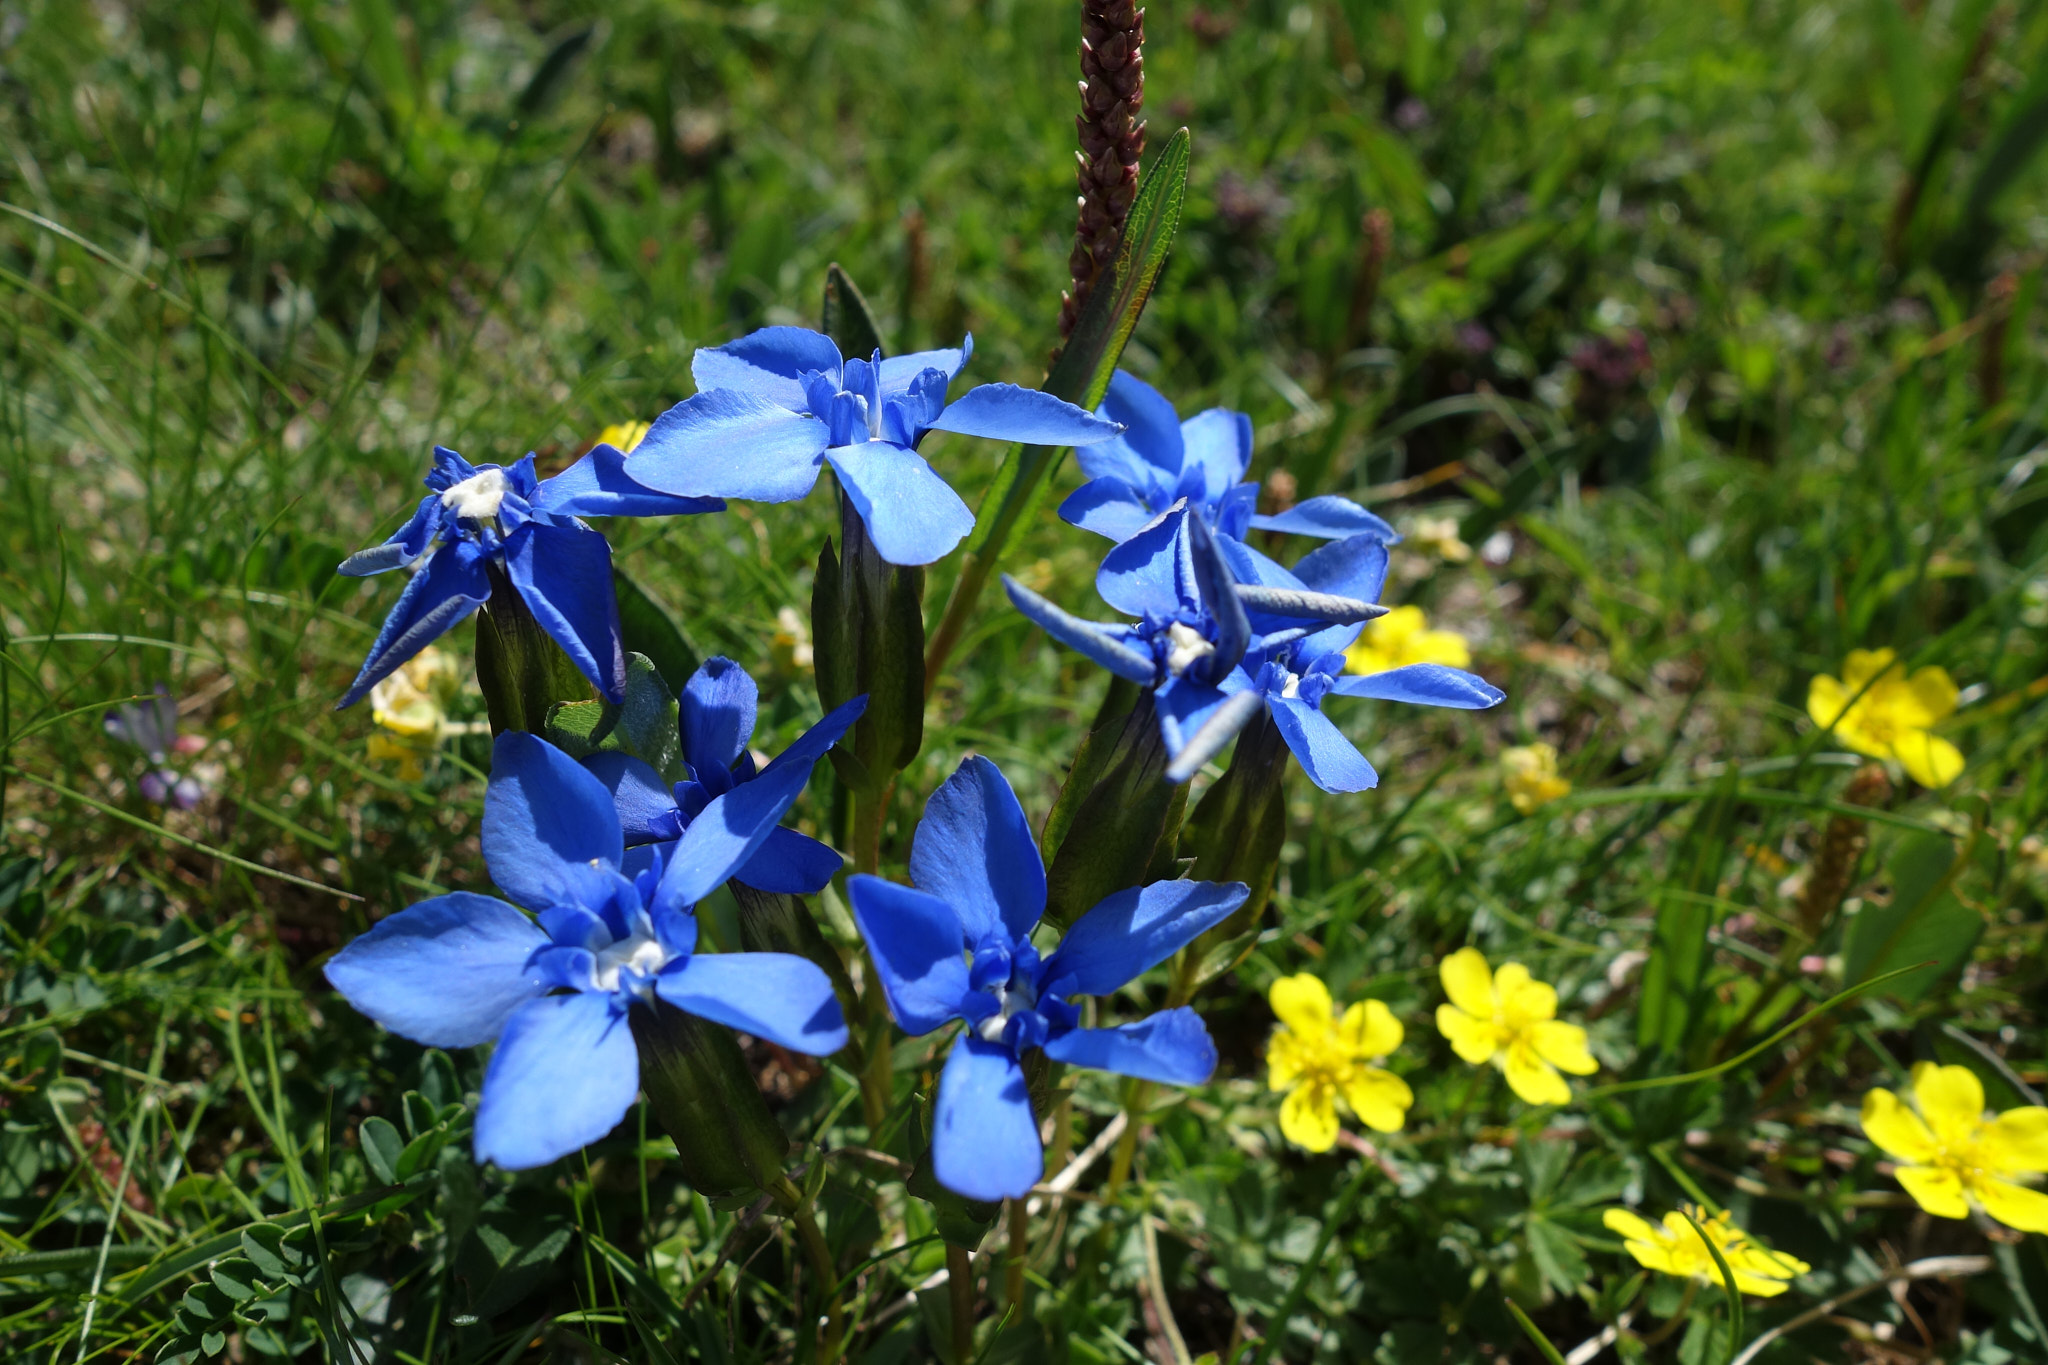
[
  {"x": 1347, "y": 1202},
  {"x": 1020, "y": 1256},
  {"x": 1678, "y": 1318},
  {"x": 960, "y": 1292},
  {"x": 1137, "y": 1098},
  {"x": 823, "y": 1269}
]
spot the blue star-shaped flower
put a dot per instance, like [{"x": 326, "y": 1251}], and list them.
[
  {"x": 959, "y": 947},
  {"x": 481, "y": 518},
  {"x": 776, "y": 405},
  {"x": 717, "y": 719},
  {"x": 615, "y": 932},
  {"x": 1158, "y": 460},
  {"x": 1198, "y": 618}
]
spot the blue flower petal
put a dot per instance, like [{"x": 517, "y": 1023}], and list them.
[
  {"x": 545, "y": 820},
  {"x": 447, "y": 972},
  {"x": 776, "y": 996},
  {"x": 563, "y": 1075},
  {"x": 1151, "y": 572},
  {"x": 719, "y": 705},
  {"x": 1330, "y": 517},
  {"x": 1105, "y": 645},
  {"x": 1331, "y": 761},
  {"x": 598, "y": 486},
  {"x": 790, "y": 864},
  {"x": 1355, "y": 566},
  {"x": 974, "y": 851},
  {"x": 1423, "y": 685},
  {"x": 768, "y": 364},
  {"x": 565, "y": 574},
  {"x": 723, "y": 836},
  {"x": 984, "y": 1137},
  {"x": 1129, "y": 933},
  {"x": 1005, "y": 412},
  {"x": 451, "y": 587},
  {"x": 1219, "y": 443},
  {"x": 900, "y": 371},
  {"x": 1194, "y": 745},
  {"x": 1232, "y": 512},
  {"x": 727, "y": 444},
  {"x": 912, "y": 515},
  {"x": 1219, "y": 594},
  {"x": 408, "y": 543},
  {"x": 645, "y": 803},
  {"x": 1151, "y": 426},
  {"x": 916, "y": 942},
  {"x": 1108, "y": 507},
  {"x": 1172, "y": 1046}
]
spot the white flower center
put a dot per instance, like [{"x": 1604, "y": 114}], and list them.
[
  {"x": 1016, "y": 1000},
  {"x": 1293, "y": 688},
  {"x": 477, "y": 497},
  {"x": 1187, "y": 646},
  {"x": 642, "y": 954}
]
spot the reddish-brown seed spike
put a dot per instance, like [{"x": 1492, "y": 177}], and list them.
[{"x": 1111, "y": 139}]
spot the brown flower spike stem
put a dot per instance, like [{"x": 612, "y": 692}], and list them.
[{"x": 1112, "y": 139}]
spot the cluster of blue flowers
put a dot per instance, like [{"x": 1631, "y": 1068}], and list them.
[{"x": 603, "y": 859}]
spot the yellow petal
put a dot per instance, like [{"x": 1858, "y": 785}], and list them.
[
  {"x": 2017, "y": 1140},
  {"x": 1303, "y": 1004},
  {"x": 1894, "y": 1127},
  {"x": 1933, "y": 695},
  {"x": 1379, "y": 1098},
  {"x": 1938, "y": 1191},
  {"x": 1825, "y": 700},
  {"x": 1928, "y": 759},
  {"x": 1468, "y": 982},
  {"x": 2016, "y": 1206},
  {"x": 1370, "y": 1030},
  {"x": 1475, "y": 1040},
  {"x": 1309, "y": 1118},
  {"x": 1629, "y": 1224},
  {"x": 1752, "y": 1284},
  {"x": 1284, "y": 1060},
  {"x": 1440, "y": 647},
  {"x": 1951, "y": 1099},
  {"x": 1653, "y": 1256},
  {"x": 1523, "y": 999},
  {"x": 1865, "y": 664},
  {"x": 1534, "y": 1079},
  {"x": 1564, "y": 1047},
  {"x": 1750, "y": 1259}
]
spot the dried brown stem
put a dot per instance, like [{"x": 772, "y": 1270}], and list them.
[{"x": 1112, "y": 137}]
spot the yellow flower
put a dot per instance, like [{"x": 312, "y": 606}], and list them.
[
  {"x": 622, "y": 435},
  {"x": 1509, "y": 1018},
  {"x": 1529, "y": 772},
  {"x": 1441, "y": 535},
  {"x": 1676, "y": 1249},
  {"x": 410, "y": 711},
  {"x": 789, "y": 649},
  {"x": 1952, "y": 1156},
  {"x": 1402, "y": 637},
  {"x": 1892, "y": 716},
  {"x": 1319, "y": 1059}
]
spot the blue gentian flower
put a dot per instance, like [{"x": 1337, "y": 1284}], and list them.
[
  {"x": 153, "y": 728},
  {"x": 483, "y": 521},
  {"x": 1198, "y": 618},
  {"x": 717, "y": 719},
  {"x": 959, "y": 947},
  {"x": 614, "y": 932},
  {"x": 1290, "y": 671},
  {"x": 776, "y": 405},
  {"x": 1158, "y": 460}
]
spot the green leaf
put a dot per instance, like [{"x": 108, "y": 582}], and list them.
[
  {"x": 1923, "y": 922},
  {"x": 552, "y": 75},
  {"x": 647, "y": 627},
  {"x": 264, "y": 1246},
  {"x": 236, "y": 1277},
  {"x": 645, "y": 726},
  {"x": 1557, "y": 1255},
  {"x": 522, "y": 671},
  {"x": 1676, "y": 974},
  {"x": 382, "y": 1146},
  {"x": 848, "y": 319}
]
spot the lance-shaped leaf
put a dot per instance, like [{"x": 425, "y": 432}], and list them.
[{"x": 1305, "y": 605}]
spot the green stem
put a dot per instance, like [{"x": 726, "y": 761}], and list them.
[
  {"x": 1137, "y": 1099},
  {"x": 798, "y": 1209},
  {"x": 1347, "y": 1203},
  {"x": 1677, "y": 1319},
  {"x": 960, "y": 1293},
  {"x": 1020, "y": 1256}
]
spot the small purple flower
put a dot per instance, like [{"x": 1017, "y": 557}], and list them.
[{"x": 152, "y": 727}]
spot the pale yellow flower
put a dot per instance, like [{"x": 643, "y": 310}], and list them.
[
  {"x": 623, "y": 436},
  {"x": 410, "y": 710},
  {"x": 1893, "y": 715},
  {"x": 1510, "y": 1019},
  {"x": 1319, "y": 1059},
  {"x": 1952, "y": 1156},
  {"x": 1439, "y": 534},
  {"x": 1675, "y": 1248},
  {"x": 1403, "y": 637},
  {"x": 1529, "y": 772},
  {"x": 789, "y": 649}
]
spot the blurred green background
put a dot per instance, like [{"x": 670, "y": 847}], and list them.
[{"x": 1716, "y": 327}]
